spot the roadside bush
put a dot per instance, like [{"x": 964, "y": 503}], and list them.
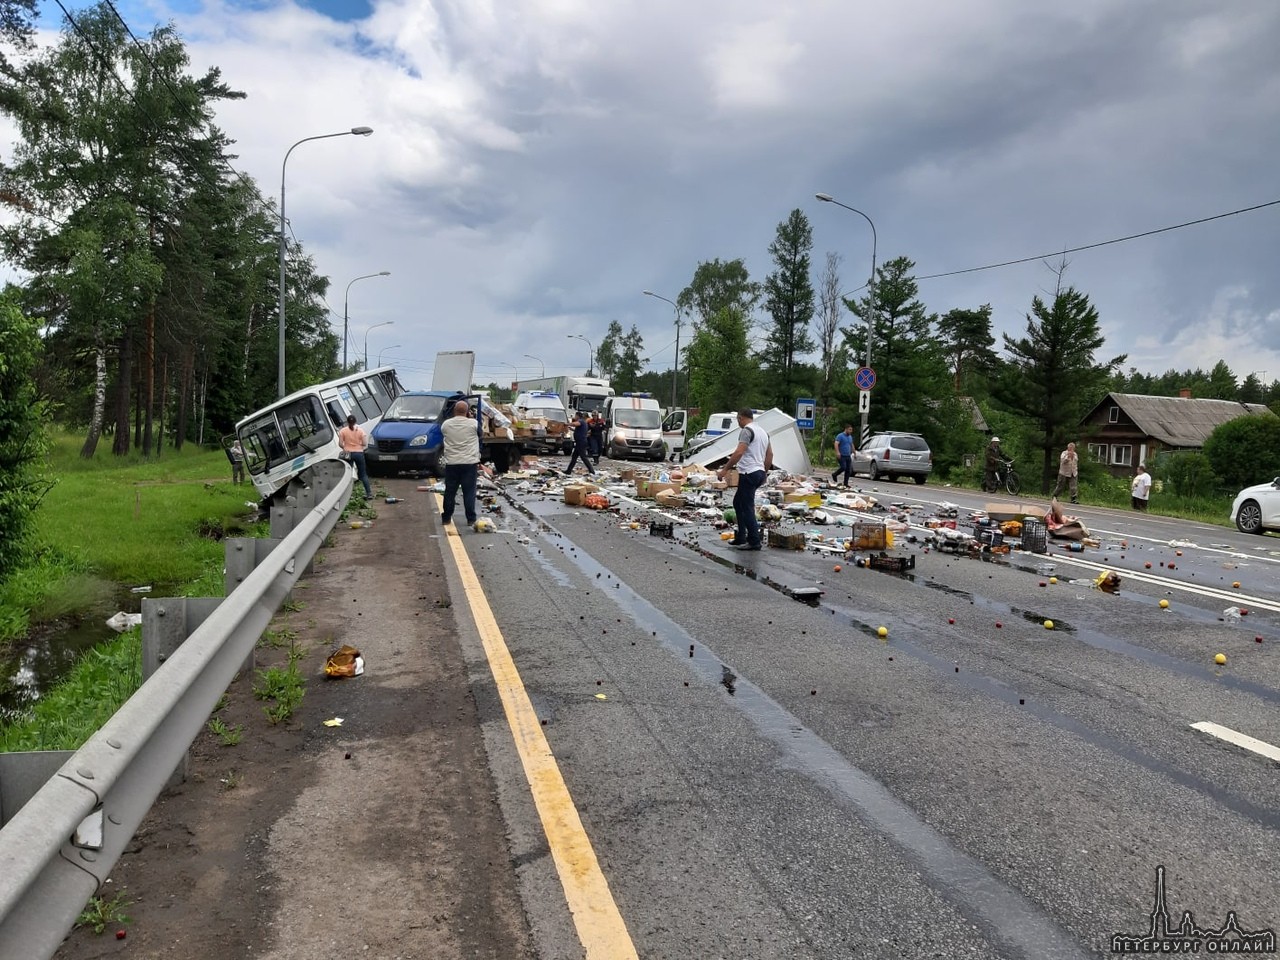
[
  {"x": 22, "y": 436},
  {"x": 1245, "y": 451},
  {"x": 1187, "y": 474}
]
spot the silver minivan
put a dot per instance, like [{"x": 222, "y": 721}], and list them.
[{"x": 892, "y": 454}]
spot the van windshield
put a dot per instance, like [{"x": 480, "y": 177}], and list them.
[
  {"x": 638, "y": 419},
  {"x": 551, "y": 414},
  {"x": 424, "y": 409}
]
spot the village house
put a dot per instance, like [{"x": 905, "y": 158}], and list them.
[{"x": 1126, "y": 429}]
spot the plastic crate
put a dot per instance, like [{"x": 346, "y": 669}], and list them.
[
  {"x": 662, "y": 528},
  {"x": 868, "y": 536},
  {"x": 990, "y": 537},
  {"x": 1035, "y": 535}
]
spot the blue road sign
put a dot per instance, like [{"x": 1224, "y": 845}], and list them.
[
  {"x": 865, "y": 378},
  {"x": 805, "y": 407}
]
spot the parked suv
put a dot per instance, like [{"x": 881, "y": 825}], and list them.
[{"x": 893, "y": 454}]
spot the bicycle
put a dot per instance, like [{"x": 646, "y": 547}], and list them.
[{"x": 1005, "y": 477}]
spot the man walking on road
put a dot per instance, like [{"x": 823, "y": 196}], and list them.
[
  {"x": 1068, "y": 473},
  {"x": 461, "y": 458},
  {"x": 753, "y": 458},
  {"x": 580, "y": 450},
  {"x": 844, "y": 450},
  {"x": 1141, "y": 488},
  {"x": 352, "y": 442}
]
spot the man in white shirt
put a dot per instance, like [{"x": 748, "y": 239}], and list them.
[
  {"x": 1141, "y": 488},
  {"x": 461, "y": 459},
  {"x": 753, "y": 458}
]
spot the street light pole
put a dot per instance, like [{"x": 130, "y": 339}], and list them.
[
  {"x": 384, "y": 350},
  {"x": 543, "y": 374},
  {"x": 345, "y": 302},
  {"x": 515, "y": 372},
  {"x": 384, "y": 323},
  {"x": 356, "y": 131},
  {"x": 591, "y": 357},
  {"x": 863, "y": 436},
  {"x": 675, "y": 375}
]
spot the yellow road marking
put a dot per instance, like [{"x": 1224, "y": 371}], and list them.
[{"x": 600, "y": 926}]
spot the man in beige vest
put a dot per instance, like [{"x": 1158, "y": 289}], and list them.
[{"x": 1068, "y": 473}]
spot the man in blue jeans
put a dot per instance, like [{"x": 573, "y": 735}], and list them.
[
  {"x": 753, "y": 458},
  {"x": 844, "y": 450},
  {"x": 461, "y": 458}
]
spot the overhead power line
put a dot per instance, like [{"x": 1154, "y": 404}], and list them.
[{"x": 1103, "y": 243}]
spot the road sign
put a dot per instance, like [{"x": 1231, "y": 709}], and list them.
[
  {"x": 804, "y": 412},
  {"x": 864, "y": 401},
  {"x": 865, "y": 378}
]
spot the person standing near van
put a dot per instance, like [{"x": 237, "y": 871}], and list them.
[
  {"x": 752, "y": 458},
  {"x": 236, "y": 453},
  {"x": 844, "y": 450},
  {"x": 580, "y": 451},
  {"x": 461, "y": 459},
  {"x": 595, "y": 435},
  {"x": 1068, "y": 473},
  {"x": 352, "y": 441}
]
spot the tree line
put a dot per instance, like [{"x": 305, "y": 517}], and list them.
[{"x": 151, "y": 262}]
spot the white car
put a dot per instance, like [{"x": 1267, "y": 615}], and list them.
[{"x": 1257, "y": 508}]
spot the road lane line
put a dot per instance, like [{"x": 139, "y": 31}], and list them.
[
  {"x": 1239, "y": 739},
  {"x": 600, "y": 926}
]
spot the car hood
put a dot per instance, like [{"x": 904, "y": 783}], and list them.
[{"x": 1256, "y": 489}]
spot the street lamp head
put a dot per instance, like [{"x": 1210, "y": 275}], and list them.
[
  {"x": 384, "y": 273},
  {"x": 362, "y": 131},
  {"x": 649, "y": 293},
  {"x": 825, "y": 197}
]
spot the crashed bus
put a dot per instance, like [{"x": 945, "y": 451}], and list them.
[{"x": 288, "y": 436}]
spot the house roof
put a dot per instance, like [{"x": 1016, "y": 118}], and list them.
[{"x": 1179, "y": 421}]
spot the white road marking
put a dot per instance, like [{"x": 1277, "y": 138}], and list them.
[{"x": 1239, "y": 739}]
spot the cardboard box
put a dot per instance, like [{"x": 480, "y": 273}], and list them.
[
  {"x": 670, "y": 498},
  {"x": 1014, "y": 511},
  {"x": 718, "y": 485},
  {"x": 786, "y": 541},
  {"x": 628, "y": 475},
  {"x": 575, "y": 493},
  {"x": 649, "y": 489},
  {"x": 731, "y": 478}
]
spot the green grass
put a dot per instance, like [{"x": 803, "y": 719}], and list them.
[
  {"x": 284, "y": 686},
  {"x": 106, "y": 676},
  {"x": 100, "y": 912},
  {"x": 111, "y": 521}
]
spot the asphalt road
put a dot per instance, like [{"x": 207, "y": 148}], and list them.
[{"x": 759, "y": 777}]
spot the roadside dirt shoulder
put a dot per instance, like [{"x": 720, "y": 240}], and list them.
[{"x": 380, "y": 837}]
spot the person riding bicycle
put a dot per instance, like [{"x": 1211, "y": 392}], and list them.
[{"x": 995, "y": 460}]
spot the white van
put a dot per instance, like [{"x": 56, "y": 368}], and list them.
[
  {"x": 633, "y": 427},
  {"x": 718, "y": 424}
]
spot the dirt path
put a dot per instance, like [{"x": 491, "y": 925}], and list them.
[{"x": 379, "y": 838}]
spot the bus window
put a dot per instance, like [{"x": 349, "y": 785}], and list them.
[
  {"x": 364, "y": 400},
  {"x": 337, "y": 416},
  {"x": 379, "y": 391}
]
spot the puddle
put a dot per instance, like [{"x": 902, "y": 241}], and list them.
[{"x": 31, "y": 666}]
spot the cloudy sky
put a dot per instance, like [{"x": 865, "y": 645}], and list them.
[{"x": 536, "y": 164}]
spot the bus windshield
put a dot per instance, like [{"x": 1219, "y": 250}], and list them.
[{"x": 291, "y": 430}]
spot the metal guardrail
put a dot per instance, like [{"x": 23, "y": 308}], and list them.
[{"x": 58, "y": 849}]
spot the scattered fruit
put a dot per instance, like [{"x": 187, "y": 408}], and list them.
[
  {"x": 1048, "y": 624},
  {"x": 836, "y": 568},
  {"x": 1164, "y": 604},
  {"x": 951, "y": 619},
  {"x": 882, "y": 631},
  {"x": 1236, "y": 584},
  {"x": 1147, "y": 564},
  {"x": 1220, "y": 659},
  {"x": 999, "y": 624},
  {"x": 1053, "y": 579}
]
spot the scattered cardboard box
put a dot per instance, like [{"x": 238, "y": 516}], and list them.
[
  {"x": 576, "y": 493},
  {"x": 649, "y": 489},
  {"x": 786, "y": 541}
]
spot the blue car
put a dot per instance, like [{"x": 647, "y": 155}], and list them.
[{"x": 408, "y": 439}]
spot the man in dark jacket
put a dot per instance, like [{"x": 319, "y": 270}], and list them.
[
  {"x": 595, "y": 435},
  {"x": 579, "y": 424}
]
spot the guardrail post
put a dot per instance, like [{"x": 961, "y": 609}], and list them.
[
  {"x": 166, "y": 623},
  {"x": 24, "y": 773},
  {"x": 242, "y": 556}
]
